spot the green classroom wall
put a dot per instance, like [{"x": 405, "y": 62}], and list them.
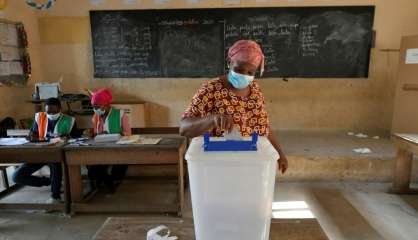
[{"x": 62, "y": 47}]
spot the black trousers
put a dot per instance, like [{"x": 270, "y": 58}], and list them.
[
  {"x": 100, "y": 174},
  {"x": 23, "y": 176}
]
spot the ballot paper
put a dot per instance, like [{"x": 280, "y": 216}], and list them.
[
  {"x": 235, "y": 134},
  {"x": 13, "y": 141},
  {"x": 136, "y": 139}
]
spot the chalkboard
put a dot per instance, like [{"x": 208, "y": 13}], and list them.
[{"x": 314, "y": 42}]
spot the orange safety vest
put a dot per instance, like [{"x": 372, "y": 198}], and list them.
[{"x": 63, "y": 127}]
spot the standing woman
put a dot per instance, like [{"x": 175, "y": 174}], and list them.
[{"x": 233, "y": 100}]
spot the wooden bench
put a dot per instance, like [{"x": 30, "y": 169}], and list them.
[{"x": 407, "y": 146}]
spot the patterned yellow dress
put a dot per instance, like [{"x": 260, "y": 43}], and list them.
[{"x": 248, "y": 113}]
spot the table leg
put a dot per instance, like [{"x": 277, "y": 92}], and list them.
[
  {"x": 181, "y": 180},
  {"x": 67, "y": 195},
  {"x": 76, "y": 190},
  {"x": 402, "y": 176},
  {"x": 5, "y": 178}
]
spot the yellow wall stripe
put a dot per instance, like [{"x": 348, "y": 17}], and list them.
[{"x": 64, "y": 30}]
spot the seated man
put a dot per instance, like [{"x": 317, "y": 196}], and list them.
[
  {"x": 49, "y": 124},
  {"x": 107, "y": 120}
]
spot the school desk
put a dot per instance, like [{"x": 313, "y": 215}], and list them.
[
  {"x": 170, "y": 150},
  {"x": 35, "y": 153}
]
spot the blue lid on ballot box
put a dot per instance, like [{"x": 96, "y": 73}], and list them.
[{"x": 230, "y": 145}]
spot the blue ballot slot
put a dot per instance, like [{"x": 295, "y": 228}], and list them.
[{"x": 230, "y": 145}]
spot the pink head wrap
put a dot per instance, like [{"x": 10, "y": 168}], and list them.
[
  {"x": 101, "y": 97},
  {"x": 247, "y": 51}
]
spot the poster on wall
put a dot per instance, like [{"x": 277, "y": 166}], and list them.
[{"x": 412, "y": 56}]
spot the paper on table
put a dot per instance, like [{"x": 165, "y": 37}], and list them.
[
  {"x": 128, "y": 139},
  {"x": 12, "y": 141},
  {"x": 18, "y": 132},
  {"x": 149, "y": 141}
]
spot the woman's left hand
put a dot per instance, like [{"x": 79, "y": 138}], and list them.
[{"x": 282, "y": 164}]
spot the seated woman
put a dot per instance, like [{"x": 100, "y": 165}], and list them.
[
  {"x": 234, "y": 100},
  {"x": 107, "y": 120},
  {"x": 48, "y": 124}
]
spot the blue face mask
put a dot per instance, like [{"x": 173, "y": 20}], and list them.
[
  {"x": 54, "y": 117},
  {"x": 99, "y": 112},
  {"x": 238, "y": 80}
]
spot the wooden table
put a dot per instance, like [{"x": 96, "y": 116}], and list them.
[
  {"x": 120, "y": 228},
  {"x": 170, "y": 150},
  {"x": 33, "y": 153},
  {"x": 407, "y": 146}
]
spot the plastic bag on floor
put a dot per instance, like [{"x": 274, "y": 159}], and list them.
[{"x": 154, "y": 234}]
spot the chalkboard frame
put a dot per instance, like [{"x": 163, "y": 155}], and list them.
[{"x": 218, "y": 13}]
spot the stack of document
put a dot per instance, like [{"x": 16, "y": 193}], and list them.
[
  {"x": 12, "y": 141},
  {"x": 103, "y": 138},
  {"x": 18, "y": 132}
]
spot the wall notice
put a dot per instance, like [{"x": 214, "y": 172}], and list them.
[{"x": 412, "y": 56}]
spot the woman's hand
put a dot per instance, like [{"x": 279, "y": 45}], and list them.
[
  {"x": 223, "y": 122},
  {"x": 282, "y": 164}
]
